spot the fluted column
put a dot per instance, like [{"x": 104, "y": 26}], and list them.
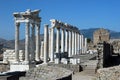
[
  {"x": 27, "y": 43},
  {"x": 70, "y": 44},
  {"x": 46, "y": 44},
  {"x": 38, "y": 42},
  {"x": 33, "y": 42},
  {"x": 63, "y": 41},
  {"x": 66, "y": 41},
  {"x": 17, "y": 41},
  {"x": 58, "y": 41},
  {"x": 52, "y": 45},
  {"x": 73, "y": 43}
]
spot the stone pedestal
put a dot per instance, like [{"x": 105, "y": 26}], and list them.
[
  {"x": 64, "y": 61},
  {"x": 21, "y": 66},
  {"x": 57, "y": 61}
]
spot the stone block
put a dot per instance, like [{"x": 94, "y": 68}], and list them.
[
  {"x": 57, "y": 61},
  {"x": 74, "y": 61},
  {"x": 64, "y": 61},
  {"x": 20, "y": 66}
]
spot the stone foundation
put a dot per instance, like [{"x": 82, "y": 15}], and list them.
[
  {"x": 21, "y": 66},
  {"x": 112, "y": 73},
  {"x": 48, "y": 73},
  {"x": 9, "y": 56},
  {"x": 74, "y": 68}
]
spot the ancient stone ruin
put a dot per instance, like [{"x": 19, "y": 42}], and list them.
[{"x": 61, "y": 43}]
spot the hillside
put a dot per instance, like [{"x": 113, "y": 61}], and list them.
[
  {"x": 89, "y": 33},
  {"x": 86, "y": 32}
]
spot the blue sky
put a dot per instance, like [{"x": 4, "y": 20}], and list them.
[{"x": 82, "y": 13}]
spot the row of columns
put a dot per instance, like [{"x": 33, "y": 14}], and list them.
[
  {"x": 27, "y": 42},
  {"x": 30, "y": 18},
  {"x": 71, "y": 40}
]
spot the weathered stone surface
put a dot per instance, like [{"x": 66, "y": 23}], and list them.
[
  {"x": 74, "y": 68},
  {"x": 112, "y": 73},
  {"x": 101, "y": 35},
  {"x": 9, "y": 55},
  {"x": 47, "y": 73}
]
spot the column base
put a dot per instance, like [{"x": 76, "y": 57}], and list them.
[{"x": 21, "y": 66}]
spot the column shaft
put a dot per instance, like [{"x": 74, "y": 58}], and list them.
[
  {"x": 27, "y": 36},
  {"x": 17, "y": 41},
  {"x": 42, "y": 50},
  {"x": 63, "y": 41},
  {"x": 49, "y": 42},
  {"x": 73, "y": 43},
  {"x": 82, "y": 41},
  {"x": 33, "y": 42},
  {"x": 85, "y": 49},
  {"x": 58, "y": 41},
  {"x": 78, "y": 49},
  {"x": 70, "y": 44},
  {"x": 80, "y": 44},
  {"x": 37, "y": 42},
  {"x": 66, "y": 41},
  {"x": 52, "y": 45},
  {"x": 46, "y": 44}
]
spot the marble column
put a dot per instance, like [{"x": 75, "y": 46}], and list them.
[
  {"x": 58, "y": 44},
  {"x": 66, "y": 41},
  {"x": 27, "y": 43},
  {"x": 85, "y": 46},
  {"x": 17, "y": 41},
  {"x": 42, "y": 50},
  {"x": 80, "y": 44},
  {"x": 37, "y": 42},
  {"x": 49, "y": 42},
  {"x": 46, "y": 37},
  {"x": 63, "y": 41},
  {"x": 52, "y": 45},
  {"x": 58, "y": 41},
  {"x": 33, "y": 42},
  {"x": 78, "y": 49},
  {"x": 70, "y": 44},
  {"x": 82, "y": 41},
  {"x": 73, "y": 43}
]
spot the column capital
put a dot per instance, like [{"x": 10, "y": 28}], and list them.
[
  {"x": 46, "y": 25},
  {"x": 33, "y": 24},
  {"x": 58, "y": 28},
  {"x": 17, "y": 24}
]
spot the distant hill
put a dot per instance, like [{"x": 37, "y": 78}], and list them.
[
  {"x": 10, "y": 44},
  {"x": 89, "y": 33},
  {"x": 86, "y": 32},
  {"x": 2, "y": 41}
]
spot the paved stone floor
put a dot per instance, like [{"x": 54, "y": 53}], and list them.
[
  {"x": 88, "y": 73},
  {"x": 82, "y": 76}
]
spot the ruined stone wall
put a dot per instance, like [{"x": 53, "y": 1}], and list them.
[
  {"x": 107, "y": 53},
  {"x": 116, "y": 46},
  {"x": 9, "y": 55},
  {"x": 101, "y": 35},
  {"x": 112, "y": 73}
]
